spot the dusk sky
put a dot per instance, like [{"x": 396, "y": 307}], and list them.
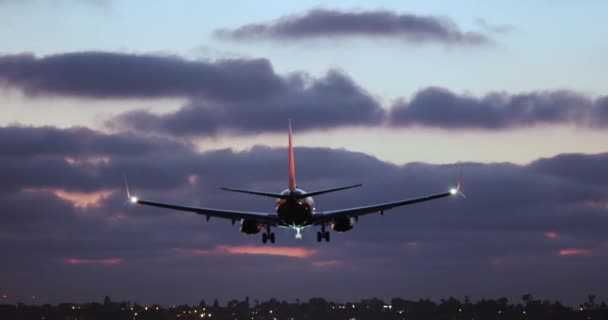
[{"x": 187, "y": 97}]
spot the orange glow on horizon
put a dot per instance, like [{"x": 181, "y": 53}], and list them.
[
  {"x": 104, "y": 262},
  {"x": 328, "y": 263},
  {"x": 81, "y": 200},
  {"x": 292, "y": 252},
  {"x": 193, "y": 252},
  {"x": 574, "y": 252}
]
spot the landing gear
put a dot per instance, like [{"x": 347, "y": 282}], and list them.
[
  {"x": 268, "y": 235},
  {"x": 323, "y": 235}
]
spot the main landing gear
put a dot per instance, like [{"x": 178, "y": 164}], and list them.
[
  {"x": 323, "y": 234},
  {"x": 268, "y": 235}
]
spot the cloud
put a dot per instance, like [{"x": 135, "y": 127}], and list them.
[
  {"x": 505, "y": 218},
  {"x": 327, "y": 263},
  {"x": 78, "y": 143},
  {"x": 333, "y": 100},
  {"x": 343, "y": 103},
  {"x": 551, "y": 235},
  {"x": 76, "y": 159},
  {"x": 78, "y": 199},
  {"x": 493, "y": 28},
  {"x": 574, "y": 252},
  {"x": 242, "y": 95},
  {"x": 438, "y": 107},
  {"x": 246, "y": 96},
  {"x": 324, "y": 23},
  {"x": 105, "y": 75},
  {"x": 578, "y": 168},
  {"x": 103, "y": 262},
  {"x": 291, "y": 252}
]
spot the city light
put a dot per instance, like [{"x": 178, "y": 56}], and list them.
[{"x": 299, "y": 310}]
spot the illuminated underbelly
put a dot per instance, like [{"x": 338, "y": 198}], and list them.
[{"x": 294, "y": 213}]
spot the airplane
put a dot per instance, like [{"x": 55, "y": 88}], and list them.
[{"x": 295, "y": 208}]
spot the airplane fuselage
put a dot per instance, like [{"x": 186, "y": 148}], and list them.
[{"x": 295, "y": 212}]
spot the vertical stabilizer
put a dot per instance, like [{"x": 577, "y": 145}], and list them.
[{"x": 292, "y": 165}]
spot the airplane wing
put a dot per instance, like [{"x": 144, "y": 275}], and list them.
[
  {"x": 263, "y": 218},
  {"x": 328, "y": 216}
]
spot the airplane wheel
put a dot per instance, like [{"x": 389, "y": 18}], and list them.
[
  {"x": 264, "y": 238},
  {"x": 319, "y": 236},
  {"x": 272, "y": 237},
  {"x": 326, "y": 236}
]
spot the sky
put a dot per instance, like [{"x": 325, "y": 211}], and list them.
[{"x": 401, "y": 96}]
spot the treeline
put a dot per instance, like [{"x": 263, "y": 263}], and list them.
[{"x": 317, "y": 309}]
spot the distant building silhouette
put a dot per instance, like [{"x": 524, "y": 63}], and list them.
[{"x": 316, "y": 309}]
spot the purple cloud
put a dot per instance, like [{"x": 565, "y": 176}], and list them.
[
  {"x": 438, "y": 107},
  {"x": 324, "y": 23},
  {"x": 331, "y": 101},
  {"x": 103, "y": 75}
]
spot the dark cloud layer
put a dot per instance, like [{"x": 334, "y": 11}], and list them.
[
  {"x": 438, "y": 107},
  {"x": 238, "y": 95},
  {"x": 334, "y": 100},
  {"x": 591, "y": 168},
  {"x": 322, "y": 23},
  {"x": 116, "y": 75},
  {"x": 511, "y": 228},
  {"x": 247, "y": 96},
  {"x": 24, "y": 141}
]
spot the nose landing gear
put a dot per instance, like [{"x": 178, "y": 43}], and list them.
[{"x": 298, "y": 234}]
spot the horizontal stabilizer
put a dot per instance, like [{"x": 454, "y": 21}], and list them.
[
  {"x": 316, "y": 193},
  {"x": 293, "y": 195},
  {"x": 264, "y": 194}
]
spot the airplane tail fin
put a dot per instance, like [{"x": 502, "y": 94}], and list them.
[
  {"x": 291, "y": 165},
  {"x": 292, "y": 180}
]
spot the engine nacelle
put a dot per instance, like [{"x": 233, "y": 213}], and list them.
[
  {"x": 250, "y": 227},
  {"x": 342, "y": 224}
]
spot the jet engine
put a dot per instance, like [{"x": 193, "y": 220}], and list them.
[
  {"x": 250, "y": 227},
  {"x": 342, "y": 224}
]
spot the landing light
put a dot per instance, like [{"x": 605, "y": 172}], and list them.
[
  {"x": 453, "y": 191},
  {"x": 134, "y": 199}
]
